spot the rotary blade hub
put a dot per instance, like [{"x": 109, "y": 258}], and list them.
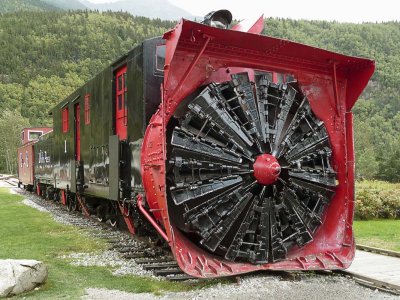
[{"x": 266, "y": 169}]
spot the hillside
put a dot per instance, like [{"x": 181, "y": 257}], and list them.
[
  {"x": 46, "y": 55},
  {"x": 161, "y": 9},
  {"x": 66, "y": 4},
  {"x": 377, "y": 113},
  {"x": 7, "y": 6}
]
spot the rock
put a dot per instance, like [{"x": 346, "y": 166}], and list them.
[{"x": 19, "y": 276}]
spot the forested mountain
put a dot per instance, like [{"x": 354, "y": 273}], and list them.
[
  {"x": 44, "y": 56},
  {"x": 66, "y": 4},
  {"x": 162, "y": 9},
  {"x": 7, "y": 6}
]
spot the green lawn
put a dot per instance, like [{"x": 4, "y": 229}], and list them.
[
  {"x": 378, "y": 233},
  {"x": 26, "y": 233},
  {"x": 30, "y": 234}
]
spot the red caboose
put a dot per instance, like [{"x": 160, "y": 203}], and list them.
[{"x": 29, "y": 136}]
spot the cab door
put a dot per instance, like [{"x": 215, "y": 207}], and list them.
[{"x": 121, "y": 105}]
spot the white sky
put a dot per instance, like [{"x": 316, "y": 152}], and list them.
[{"x": 340, "y": 10}]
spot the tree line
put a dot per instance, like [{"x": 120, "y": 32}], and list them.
[{"x": 44, "y": 56}]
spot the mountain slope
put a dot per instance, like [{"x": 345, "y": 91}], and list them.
[
  {"x": 46, "y": 55},
  {"x": 66, "y": 4},
  {"x": 7, "y": 6},
  {"x": 161, "y": 9}
]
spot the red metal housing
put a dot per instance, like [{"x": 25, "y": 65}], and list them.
[
  {"x": 26, "y": 163},
  {"x": 26, "y": 157},
  {"x": 197, "y": 55}
]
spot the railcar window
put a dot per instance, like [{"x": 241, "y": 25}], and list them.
[
  {"x": 160, "y": 57},
  {"x": 119, "y": 102},
  {"x": 27, "y": 159},
  {"x": 34, "y": 135},
  {"x": 125, "y": 81},
  {"x": 65, "y": 119},
  {"x": 120, "y": 83},
  {"x": 87, "y": 109}
]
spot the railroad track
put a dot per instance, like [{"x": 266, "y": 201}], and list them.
[
  {"x": 378, "y": 279},
  {"x": 161, "y": 263},
  {"x": 149, "y": 257},
  {"x": 10, "y": 179}
]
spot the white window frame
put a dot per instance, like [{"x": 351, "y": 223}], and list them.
[{"x": 35, "y": 131}]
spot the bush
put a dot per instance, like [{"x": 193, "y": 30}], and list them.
[{"x": 377, "y": 199}]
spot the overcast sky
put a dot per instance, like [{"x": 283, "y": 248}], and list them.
[{"x": 340, "y": 10}]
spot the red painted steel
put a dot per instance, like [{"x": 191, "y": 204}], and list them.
[
  {"x": 63, "y": 198},
  {"x": 87, "y": 109},
  {"x": 127, "y": 218},
  {"x": 257, "y": 27},
  {"x": 197, "y": 54},
  {"x": 26, "y": 163},
  {"x": 121, "y": 110},
  {"x": 150, "y": 218},
  {"x": 82, "y": 205},
  {"x": 64, "y": 116},
  {"x": 77, "y": 132},
  {"x": 31, "y": 134},
  {"x": 266, "y": 169}
]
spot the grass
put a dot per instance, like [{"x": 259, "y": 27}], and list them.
[
  {"x": 378, "y": 233},
  {"x": 26, "y": 233},
  {"x": 377, "y": 184}
]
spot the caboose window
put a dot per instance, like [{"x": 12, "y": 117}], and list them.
[
  {"x": 87, "y": 109},
  {"x": 160, "y": 58},
  {"x": 64, "y": 118},
  {"x": 34, "y": 135}
]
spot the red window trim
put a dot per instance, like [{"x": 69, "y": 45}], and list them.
[
  {"x": 87, "y": 109},
  {"x": 64, "y": 118}
]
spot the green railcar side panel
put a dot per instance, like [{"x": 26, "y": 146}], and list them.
[{"x": 114, "y": 149}]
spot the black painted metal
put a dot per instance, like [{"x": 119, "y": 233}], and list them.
[
  {"x": 114, "y": 167},
  {"x": 213, "y": 195},
  {"x": 108, "y": 168}
]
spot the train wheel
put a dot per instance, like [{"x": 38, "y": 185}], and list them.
[
  {"x": 113, "y": 222},
  {"x": 49, "y": 193},
  {"x": 112, "y": 216},
  {"x": 43, "y": 191},
  {"x": 72, "y": 204},
  {"x": 249, "y": 170},
  {"x": 101, "y": 213},
  {"x": 56, "y": 195}
]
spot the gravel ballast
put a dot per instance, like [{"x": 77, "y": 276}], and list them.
[
  {"x": 112, "y": 259},
  {"x": 260, "y": 286}
]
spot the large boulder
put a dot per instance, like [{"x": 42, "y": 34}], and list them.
[{"x": 18, "y": 276}]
